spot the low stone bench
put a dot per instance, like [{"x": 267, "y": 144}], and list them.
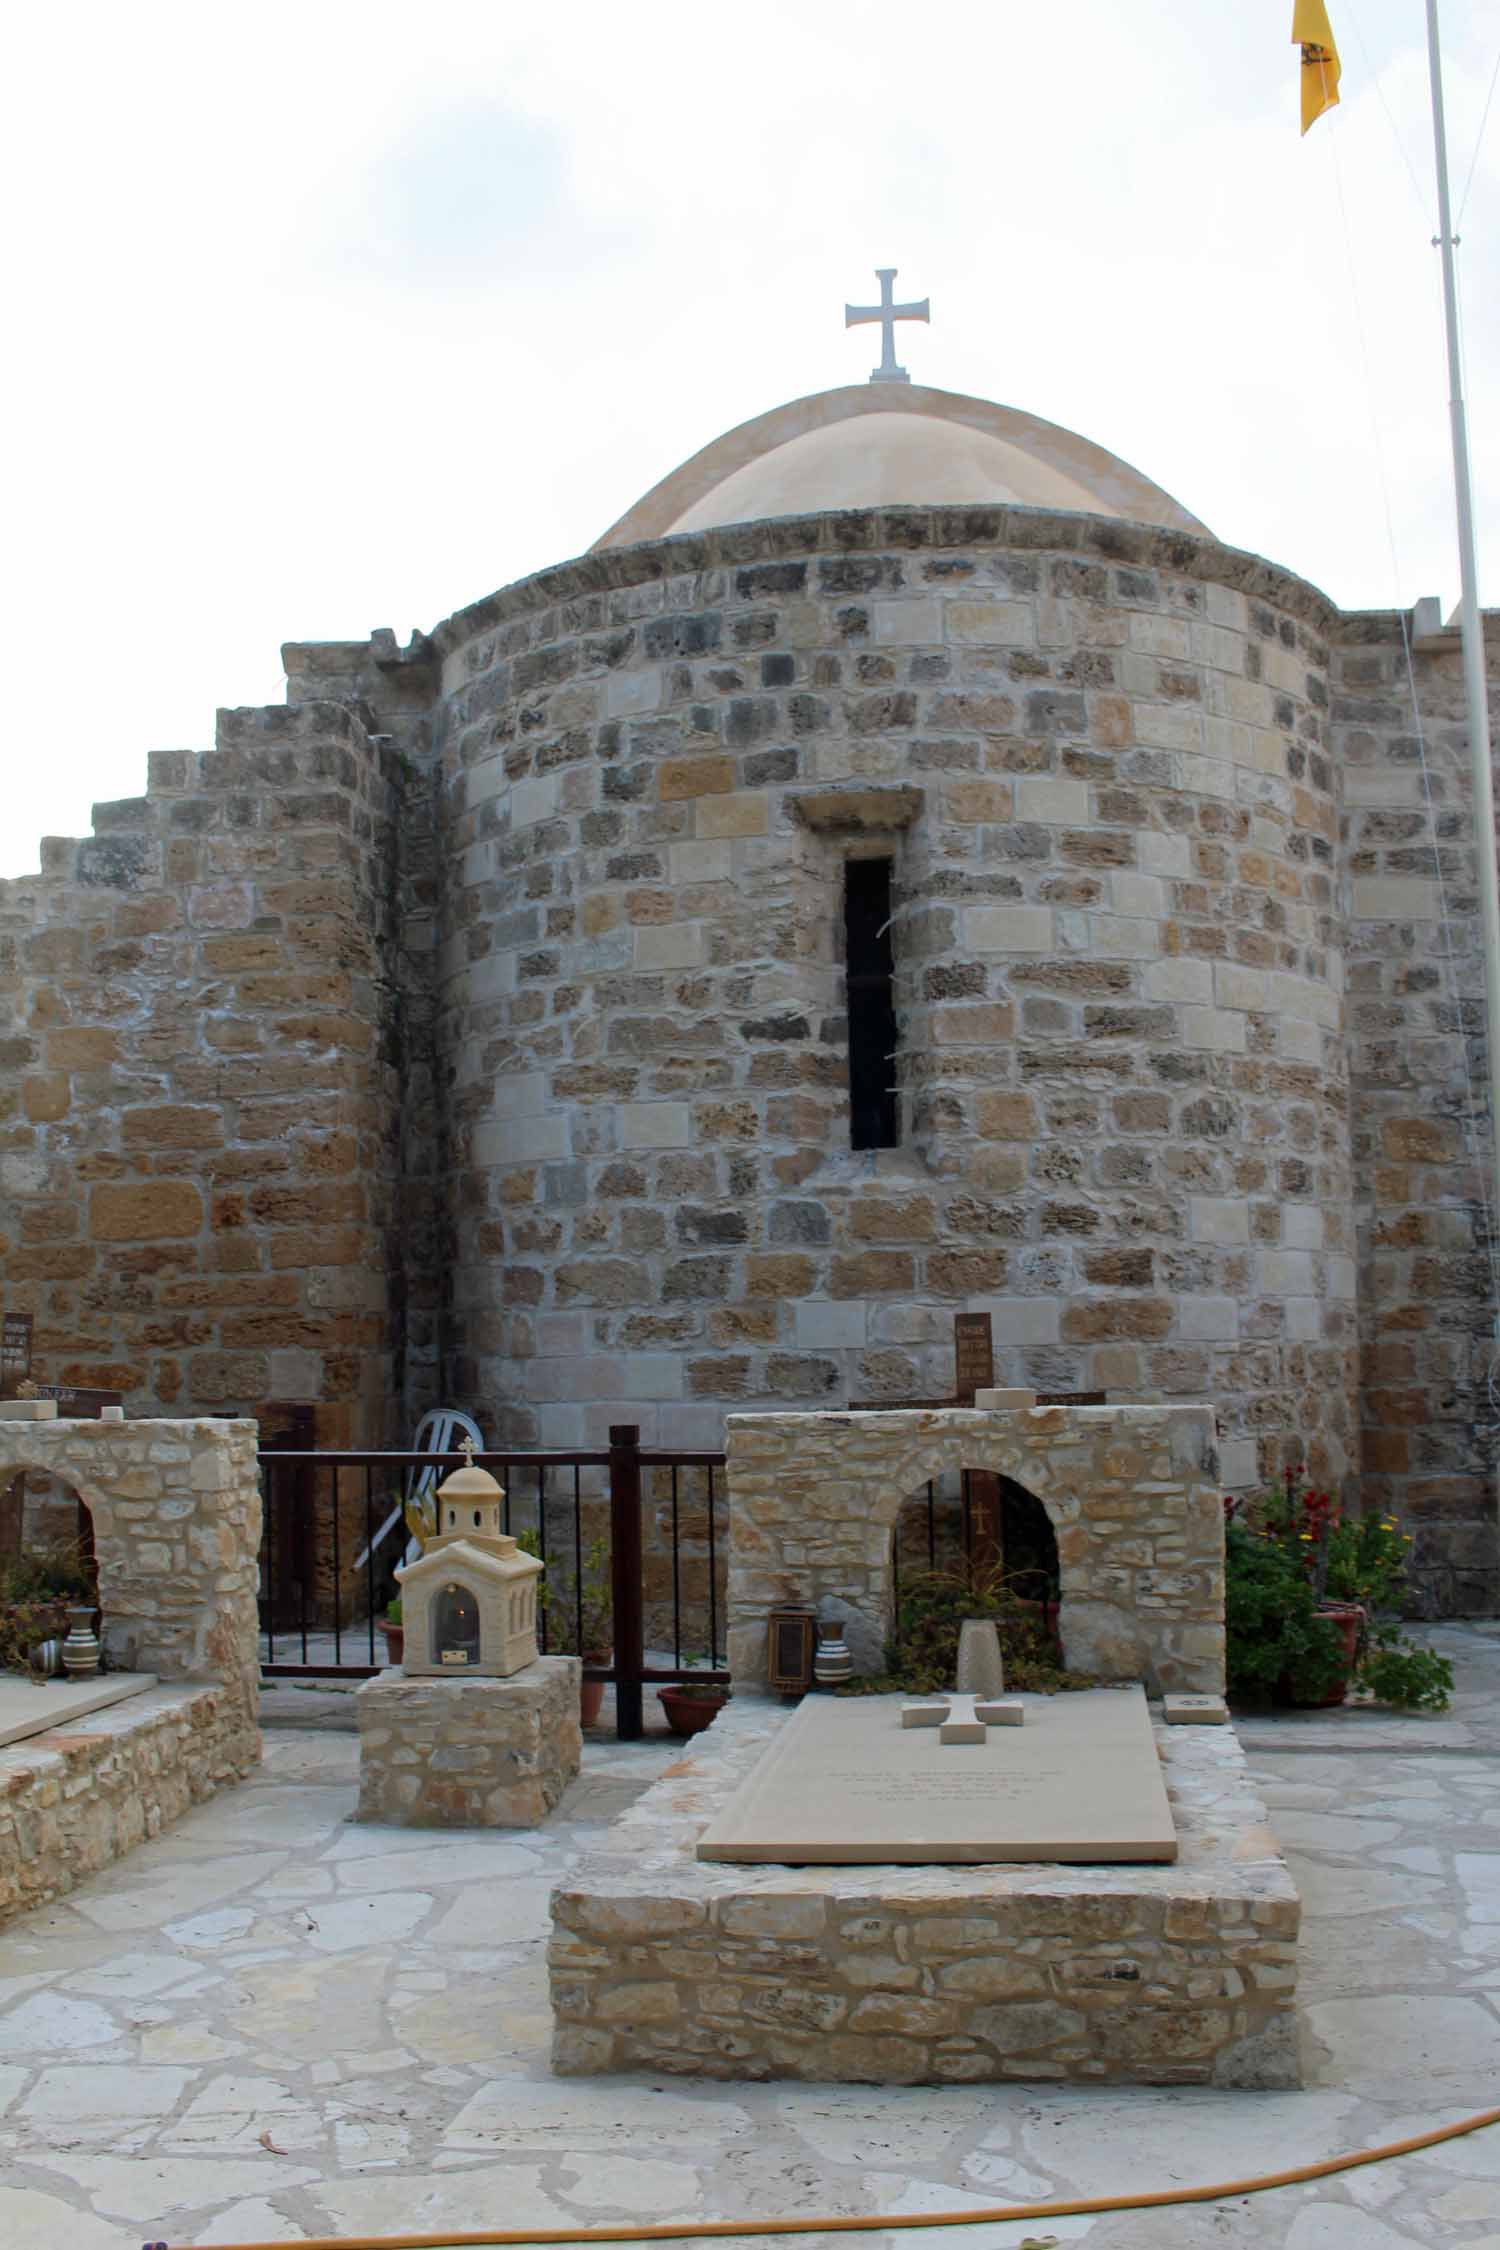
[{"x": 1165, "y": 1975}]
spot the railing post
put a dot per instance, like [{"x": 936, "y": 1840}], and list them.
[{"x": 625, "y": 1576}]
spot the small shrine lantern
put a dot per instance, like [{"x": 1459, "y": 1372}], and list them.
[
  {"x": 790, "y": 1633},
  {"x": 468, "y": 1602}
]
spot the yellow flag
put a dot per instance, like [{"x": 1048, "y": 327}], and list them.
[{"x": 1312, "y": 32}]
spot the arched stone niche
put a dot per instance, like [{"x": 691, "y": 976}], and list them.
[
  {"x": 1132, "y": 1493},
  {"x": 176, "y": 1514}
]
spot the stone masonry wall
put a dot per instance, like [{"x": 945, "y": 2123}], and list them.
[
  {"x": 176, "y": 1515},
  {"x": 1422, "y": 1141},
  {"x": 1098, "y": 757},
  {"x": 1132, "y": 1493},
  {"x": 197, "y": 1109}
]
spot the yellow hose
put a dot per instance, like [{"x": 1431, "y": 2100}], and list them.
[{"x": 688, "y": 2230}]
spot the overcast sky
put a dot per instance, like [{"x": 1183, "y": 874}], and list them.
[{"x": 325, "y": 317}]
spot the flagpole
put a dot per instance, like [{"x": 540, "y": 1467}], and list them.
[{"x": 1470, "y": 623}]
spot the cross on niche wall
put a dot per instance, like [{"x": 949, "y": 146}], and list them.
[{"x": 965, "y": 1718}]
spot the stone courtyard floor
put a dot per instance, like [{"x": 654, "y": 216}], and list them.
[{"x": 269, "y": 2023}]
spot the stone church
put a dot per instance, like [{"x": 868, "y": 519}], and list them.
[{"x": 907, "y": 865}]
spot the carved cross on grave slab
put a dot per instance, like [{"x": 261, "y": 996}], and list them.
[{"x": 965, "y": 1718}]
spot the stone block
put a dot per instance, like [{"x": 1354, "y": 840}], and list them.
[
  {"x": 145, "y": 1211},
  {"x": 484, "y": 1753},
  {"x": 1009, "y": 929}
]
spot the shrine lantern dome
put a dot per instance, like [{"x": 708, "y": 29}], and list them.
[{"x": 469, "y": 1601}]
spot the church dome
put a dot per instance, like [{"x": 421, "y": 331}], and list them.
[{"x": 896, "y": 445}]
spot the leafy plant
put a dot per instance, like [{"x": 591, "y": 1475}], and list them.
[
  {"x": 36, "y": 1593},
  {"x": 1396, "y": 1670},
  {"x": 393, "y": 1610},
  {"x": 1290, "y": 1549},
  {"x": 1276, "y": 1643},
  {"x": 577, "y": 1604},
  {"x": 1367, "y": 1559},
  {"x": 922, "y": 1656}
]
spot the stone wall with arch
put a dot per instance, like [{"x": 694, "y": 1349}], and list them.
[
  {"x": 176, "y": 1516},
  {"x": 1132, "y": 1493}
]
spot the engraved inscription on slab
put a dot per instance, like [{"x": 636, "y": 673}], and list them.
[{"x": 856, "y": 1783}]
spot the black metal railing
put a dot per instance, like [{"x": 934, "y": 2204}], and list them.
[{"x": 334, "y": 1530}]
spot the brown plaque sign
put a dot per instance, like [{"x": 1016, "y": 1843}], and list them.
[
  {"x": 15, "y": 1352},
  {"x": 974, "y": 1355}
]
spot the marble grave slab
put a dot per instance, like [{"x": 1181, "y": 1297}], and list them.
[{"x": 845, "y": 1784}]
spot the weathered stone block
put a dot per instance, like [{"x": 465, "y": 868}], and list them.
[{"x": 477, "y": 1753}]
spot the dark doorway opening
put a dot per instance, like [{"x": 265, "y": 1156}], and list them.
[{"x": 870, "y": 984}]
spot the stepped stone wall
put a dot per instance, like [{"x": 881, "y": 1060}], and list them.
[{"x": 200, "y": 1096}]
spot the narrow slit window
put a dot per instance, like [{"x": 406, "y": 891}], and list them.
[{"x": 870, "y": 981}]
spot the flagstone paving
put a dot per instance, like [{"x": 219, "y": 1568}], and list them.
[{"x": 270, "y": 2023}]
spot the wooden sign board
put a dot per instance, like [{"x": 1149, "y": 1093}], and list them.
[
  {"x": 15, "y": 1352},
  {"x": 973, "y": 1354}
]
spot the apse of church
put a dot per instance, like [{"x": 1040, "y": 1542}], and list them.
[{"x": 478, "y": 1027}]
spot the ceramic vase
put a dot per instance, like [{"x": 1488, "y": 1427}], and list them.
[
  {"x": 833, "y": 1661},
  {"x": 980, "y": 1670},
  {"x": 80, "y": 1651}
]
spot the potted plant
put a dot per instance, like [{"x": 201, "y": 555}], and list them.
[
  {"x": 691, "y": 1705},
  {"x": 1305, "y": 1587},
  {"x": 36, "y": 1596},
  {"x": 578, "y": 1607},
  {"x": 394, "y": 1631}
]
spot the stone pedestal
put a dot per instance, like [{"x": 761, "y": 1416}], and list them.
[{"x": 468, "y": 1753}]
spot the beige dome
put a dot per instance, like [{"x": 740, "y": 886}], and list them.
[{"x": 875, "y": 445}]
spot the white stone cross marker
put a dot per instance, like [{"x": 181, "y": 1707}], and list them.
[
  {"x": 965, "y": 1718},
  {"x": 887, "y": 313}
]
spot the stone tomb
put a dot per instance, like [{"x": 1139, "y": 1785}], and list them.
[
  {"x": 845, "y": 1783},
  {"x": 1177, "y": 1973}
]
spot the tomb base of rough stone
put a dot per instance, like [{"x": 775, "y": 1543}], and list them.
[
  {"x": 468, "y": 1753},
  {"x": 91, "y": 1788},
  {"x": 1180, "y": 1974}
]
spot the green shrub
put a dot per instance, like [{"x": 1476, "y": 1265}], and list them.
[
  {"x": 922, "y": 1656},
  {"x": 1396, "y": 1670},
  {"x": 1277, "y": 1646}
]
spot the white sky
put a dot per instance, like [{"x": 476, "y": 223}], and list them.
[{"x": 328, "y": 316}]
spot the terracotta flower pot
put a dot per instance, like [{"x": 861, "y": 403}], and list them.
[
  {"x": 591, "y": 1692},
  {"x": 1346, "y": 1618},
  {"x": 395, "y": 1641},
  {"x": 688, "y": 1709}
]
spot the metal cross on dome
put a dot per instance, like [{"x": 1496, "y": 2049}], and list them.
[{"x": 887, "y": 313}]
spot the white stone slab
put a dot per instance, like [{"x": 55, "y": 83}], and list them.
[
  {"x": 845, "y": 1783},
  {"x": 28, "y": 1410},
  {"x": 27, "y": 1709},
  {"x": 1195, "y": 1710}
]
